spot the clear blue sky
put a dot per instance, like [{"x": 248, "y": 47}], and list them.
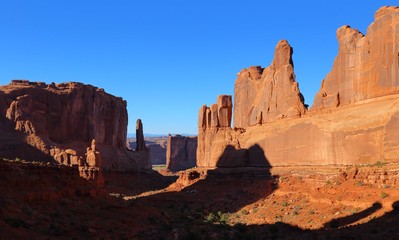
[{"x": 167, "y": 58}]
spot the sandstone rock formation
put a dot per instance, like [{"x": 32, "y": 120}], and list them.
[
  {"x": 156, "y": 146},
  {"x": 157, "y": 150},
  {"x": 66, "y": 112},
  {"x": 93, "y": 157},
  {"x": 53, "y": 117},
  {"x": 366, "y": 66},
  {"x": 140, "y": 142},
  {"x": 66, "y": 157},
  {"x": 217, "y": 115},
  {"x": 208, "y": 127},
  {"x": 264, "y": 95},
  {"x": 181, "y": 152},
  {"x": 364, "y": 83}
]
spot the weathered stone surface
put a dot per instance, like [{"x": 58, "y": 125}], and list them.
[
  {"x": 271, "y": 92},
  {"x": 93, "y": 157},
  {"x": 357, "y": 134},
  {"x": 67, "y": 112},
  {"x": 217, "y": 115},
  {"x": 224, "y": 105},
  {"x": 366, "y": 66},
  {"x": 181, "y": 152},
  {"x": 202, "y": 121},
  {"x": 365, "y": 73},
  {"x": 66, "y": 116},
  {"x": 214, "y": 115},
  {"x": 140, "y": 143},
  {"x": 213, "y": 120},
  {"x": 156, "y": 147}
]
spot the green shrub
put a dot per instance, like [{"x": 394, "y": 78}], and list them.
[
  {"x": 328, "y": 182},
  {"x": 384, "y": 195},
  {"x": 221, "y": 218},
  {"x": 211, "y": 218},
  {"x": 359, "y": 183},
  {"x": 244, "y": 212}
]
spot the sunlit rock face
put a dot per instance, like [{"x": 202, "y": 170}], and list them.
[
  {"x": 47, "y": 117},
  {"x": 354, "y": 118},
  {"x": 264, "y": 95},
  {"x": 366, "y": 66}
]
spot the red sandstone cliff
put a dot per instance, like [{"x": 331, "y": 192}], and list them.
[
  {"x": 181, "y": 152},
  {"x": 66, "y": 116},
  {"x": 210, "y": 124},
  {"x": 264, "y": 95},
  {"x": 366, "y": 66},
  {"x": 364, "y": 82}
]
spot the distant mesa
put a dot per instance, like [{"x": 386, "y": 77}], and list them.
[
  {"x": 181, "y": 152},
  {"x": 354, "y": 118},
  {"x": 156, "y": 145},
  {"x": 46, "y": 120}
]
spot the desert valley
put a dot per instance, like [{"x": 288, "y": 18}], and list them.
[{"x": 263, "y": 165}]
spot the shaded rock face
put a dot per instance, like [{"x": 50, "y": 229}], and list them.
[
  {"x": 366, "y": 66},
  {"x": 66, "y": 112},
  {"x": 264, "y": 95},
  {"x": 273, "y": 128},
  {"x": 181, "y": 152},
  {"x": 68, "y": 116},
  {"x": 156, "y": 147},
  {"x": 140, "y": 144}
]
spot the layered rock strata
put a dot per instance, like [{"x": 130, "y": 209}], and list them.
[
  {"x": 52, "y": 117},
  {"x": 354, "y": 119},
  {"x": 181, "y": 152}
]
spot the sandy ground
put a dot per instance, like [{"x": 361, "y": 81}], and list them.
[{"x": 45, "y": 203}]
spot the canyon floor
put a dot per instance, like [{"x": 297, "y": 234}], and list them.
[{"x": 46, "y": 201}]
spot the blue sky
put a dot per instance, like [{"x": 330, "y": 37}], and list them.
[{"x": 167, "y": 58}]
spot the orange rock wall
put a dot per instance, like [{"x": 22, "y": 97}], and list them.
[
  {"x": 69, "y": 116},
  {"x": 354, "y": 119},
  {"x": 265, "y": 95},
  {"x": 366, "y": 66}
]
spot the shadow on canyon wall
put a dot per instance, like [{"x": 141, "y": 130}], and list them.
[
  {"x": 251, "y": 157},
  {"x": 13, "y": 145}
]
